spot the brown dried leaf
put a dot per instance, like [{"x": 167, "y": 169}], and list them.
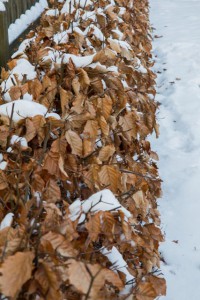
[
  {"x": 75, "y": 142},
  {"x": 4, "y": 74},
  {"x": 15, "y": 92},
  {"x": 80, "y": 277},
  {"x": 110, "y": 177},
  {"x": 93, "y": 226},
  {"x": 52, "y": 193},
  {"x": 104, "y": 126},
  {"x": 48, "y": 282},
  {"x": 91, "y": 128},
  {"x": 65, "y": 97},
  {"x": 128, "y": 124},
  {"x": 76, "y": 86},
  {"x": 30, "y": 130},
  {"x": 145, "y": 291},
  {"x": 60, "y": 244},
  {"x": 84, "y": 79},
  {"x": 3, "y": 181},
  {"x": 35, "y": 88},
  {"x": 105, "y": 104},
  {"x": 16, "y": 270},
  {"x": 105, "y": 55},
  {"x": 106, "y": 152},
  {"x": 4, "y": 132},
  {"x": 159, "y": 285}
]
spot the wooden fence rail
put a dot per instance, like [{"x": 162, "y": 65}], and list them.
[{"x": 14, "y": 9}]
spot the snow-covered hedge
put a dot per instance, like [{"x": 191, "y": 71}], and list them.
[{"x": 79, "y": 180}]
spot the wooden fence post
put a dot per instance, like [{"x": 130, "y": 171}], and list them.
[{"x": 4, "y": 49}]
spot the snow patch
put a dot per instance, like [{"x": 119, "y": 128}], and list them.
[
  {"x": 7, "y": 221},
  {"x": 24, "y": 109},
  {"x": 101, "y": 201}
]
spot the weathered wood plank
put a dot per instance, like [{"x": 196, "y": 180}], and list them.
[{"x": 4, "y": 46}]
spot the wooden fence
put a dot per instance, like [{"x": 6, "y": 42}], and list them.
[{"x": 14, "y": 9}]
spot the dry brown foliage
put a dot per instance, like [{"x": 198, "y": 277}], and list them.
[{"x": 107, "y": 111}]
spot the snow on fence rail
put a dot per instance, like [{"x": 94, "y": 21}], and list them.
[{"x": 15, "y": 18}]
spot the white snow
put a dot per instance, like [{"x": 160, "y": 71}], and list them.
[
  {"x": 2, "y": 6},
  {"x": 26, "y": 19},
  {"x": 84, "y": 3},
  {"x": 119, "y": 264},
  {"x": 52, "y": 12},
  {"x": 118, "y": 32},
  {"x": 68, "y": 7},
  {"x": 22, "y": 47},
  {"x": 61, "y": 37},
  {"x": 7, "y": 221},
  {"x": 18, "y": 139},
  {"x": 101, "y": 201},
  {"x": 96, "y": 32},
  {"x": 24, "y": 109},
  {"x": 3, "y": 165},
  {"x": 177, "y": 56},
  {"x": 79, "y": 61},
  {"x": 22, "y": 69}
]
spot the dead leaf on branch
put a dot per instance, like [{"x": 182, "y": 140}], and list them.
[
  {"x": 145, "y": 291},
  {"x": 110, "y": 177},
  {"x": 16, "y": 270},
  {"x": 89, "y": 279},
  {"x": 106, "y": 152},
  {"x": 75, "y": 142},
  {"x": 48, "y": 282},
  {"x": 3, "y": 181},
  {"x": 52, "y": 192},
  {"x": 60, "y": 244}
]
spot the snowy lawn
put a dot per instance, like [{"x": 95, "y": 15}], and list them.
[{"x": 177, "y": 55}]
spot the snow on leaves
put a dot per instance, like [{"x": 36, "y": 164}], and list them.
[{"x": 77, "y": 174}]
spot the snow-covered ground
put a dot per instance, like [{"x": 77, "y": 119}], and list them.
[{"x": 177, "y": 55}]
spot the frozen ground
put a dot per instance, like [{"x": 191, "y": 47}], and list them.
[{"x": 177, "y": 55}]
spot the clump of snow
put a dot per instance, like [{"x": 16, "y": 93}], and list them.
[
  {"x": 18, "y": 139},
  {"x": 61, "y": 37},
  {"x": 119, "y": 264},
  {"x": 52, "y": 12},
  {"x": 79, "y": 61},
  {"x": 3, "y": 165},
  {"x": 58, "y": 58},
  {"x": 26, "y": 19},
  {"x": 68, "y": 7},
  {"x": 84, "y": 3},
  {"x": 96, "y": 32},
  {"x": 22, "y": 69},
  {"x": 118, "y": 32},
  {"x": 89, "y": 15},
  {"x": 2, "y": 6},
  {"x": 7, "y": 221},
  {"x": 24, "y": 109},
  {"x": 123, "y": 44},
  {"x": 101, "y": 201},
  {"x": 22, "y": 47},
  {"x": 139, "y": 66}
]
